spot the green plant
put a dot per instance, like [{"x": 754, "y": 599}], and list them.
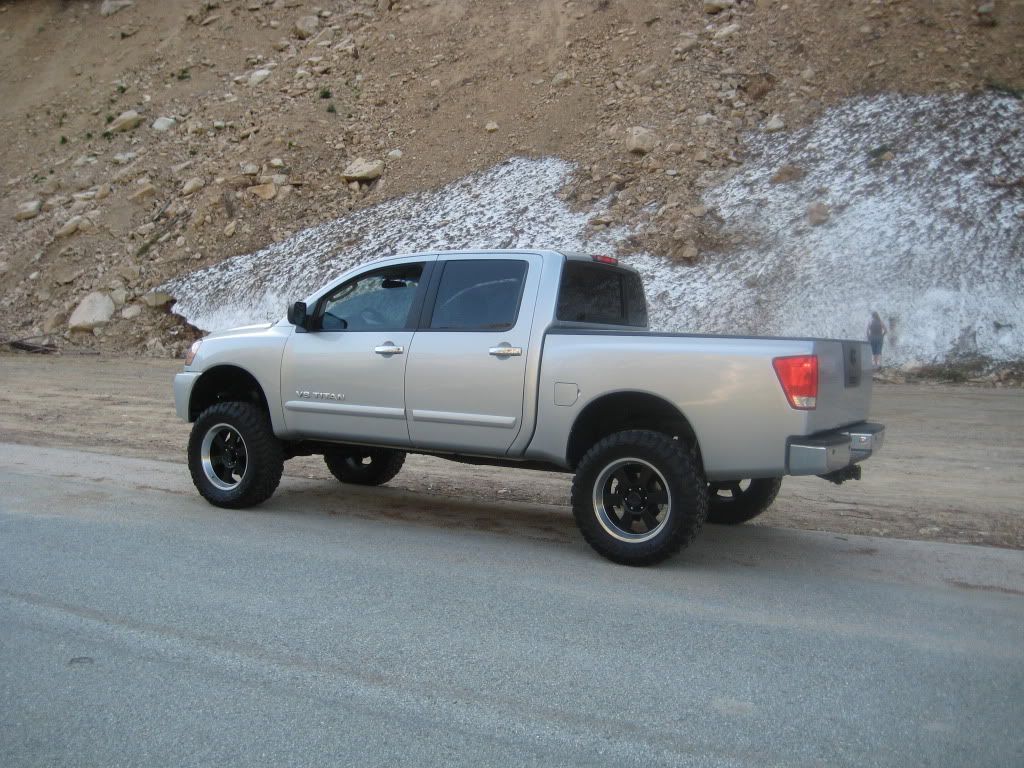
[
  {"x": 63, "y": 139},
  {"x": 331, "y": 109},
  {"x": 325, "y": 93},
  {"x": 121, "y": 87},
  {"x": 110, "y": 119},
  {"x": 88, "y": 135},
  {"x": 184, "y": 74}
]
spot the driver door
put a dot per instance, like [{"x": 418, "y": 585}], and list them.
[{"x": 344, "y": 379}]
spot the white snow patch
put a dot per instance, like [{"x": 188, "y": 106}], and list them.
[{"x": 931, "y": 239}]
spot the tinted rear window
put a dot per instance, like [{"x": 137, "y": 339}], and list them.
[
  {"x": 479, "y": 295},
  {"x": 595, "y": 293}
]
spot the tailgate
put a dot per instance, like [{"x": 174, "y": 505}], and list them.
[{"x": 844, "y": 384}]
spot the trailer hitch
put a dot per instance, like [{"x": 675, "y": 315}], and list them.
[{"x": 840, "y": 476}]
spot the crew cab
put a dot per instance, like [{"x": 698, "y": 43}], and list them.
[{"x": 534, "y": 359}]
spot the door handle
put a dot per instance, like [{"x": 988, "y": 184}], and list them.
[
  {"x": 504, "y": 350},
  {"x": 389, "y": 348}
]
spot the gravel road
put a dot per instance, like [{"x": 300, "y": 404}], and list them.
[
  {"x": 950, "y": 470},
  {"x": 140, "y": 626}
]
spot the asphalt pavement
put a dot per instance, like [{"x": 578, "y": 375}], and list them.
[{"x": 140, "y": 626}]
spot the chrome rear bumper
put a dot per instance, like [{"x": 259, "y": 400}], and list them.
[{"x": 831, "y": 451}]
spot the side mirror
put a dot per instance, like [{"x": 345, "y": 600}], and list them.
[{"x": 297, "y": 315}]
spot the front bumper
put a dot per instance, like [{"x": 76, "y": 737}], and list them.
[
  {"x": 183, "y": 392},
  {"x": 832, "y": 451}
]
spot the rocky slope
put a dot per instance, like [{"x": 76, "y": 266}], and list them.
[{"x": 146, "y": 140}]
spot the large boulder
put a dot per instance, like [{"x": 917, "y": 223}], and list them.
[{"x": 94, "y": 310}]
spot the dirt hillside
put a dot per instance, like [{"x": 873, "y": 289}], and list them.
[{"x": 147, "y": 139}]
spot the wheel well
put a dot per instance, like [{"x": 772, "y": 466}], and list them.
[
  {"x": 626, "y": 410},
  {"x": 222, "y": 384}
]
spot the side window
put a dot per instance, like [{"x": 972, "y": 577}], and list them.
[
  {"x": 592, "y": 293},
  {"x": 377, "y": 301},
  {"x": 478, "y": 295}
]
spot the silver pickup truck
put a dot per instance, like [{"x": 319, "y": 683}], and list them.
[{"x": 534, "y": 359}]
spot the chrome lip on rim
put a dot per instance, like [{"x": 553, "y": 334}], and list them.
[
  {"x": 628, "y": 491},
  {"x": 224, "y": 455}
]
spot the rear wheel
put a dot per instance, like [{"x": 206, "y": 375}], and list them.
[
  {"x": 737, "y": 501},
  {"x": 639, "y": 497},
  {"x": 233, "y": 456},
  {"x": 364, "y": 466}
]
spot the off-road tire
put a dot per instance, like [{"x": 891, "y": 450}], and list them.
[
  {"x": 730, "y": 504},
  {"x": 347, "y": 465},
  {"x": 681, "y": 514},
  {"x": 264, "y": 456}
]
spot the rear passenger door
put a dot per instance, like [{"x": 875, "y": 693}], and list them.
[{"x": 465, "y": 378}]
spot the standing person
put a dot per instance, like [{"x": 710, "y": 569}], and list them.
[{"x": 876, "y": 332}]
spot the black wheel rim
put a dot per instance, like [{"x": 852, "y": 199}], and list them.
[
  {"x": 224, "y": 457},
  {"x": 632, "y": 500}
]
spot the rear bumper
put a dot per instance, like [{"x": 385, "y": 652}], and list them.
[{"x": 831, "y": 451}]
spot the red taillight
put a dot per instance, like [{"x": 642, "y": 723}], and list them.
[
  {"x": 605, "y": 259},
  {"x": 799, "y": 378}
]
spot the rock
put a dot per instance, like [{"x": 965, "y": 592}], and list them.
[
  {"x": 362, "y": 169},
  {"x": 229, "y": 230},
  {"x": 126, "y": 121},
  {"x": 685, "y": 45},
  {"x": 258, "y": 77},
  {"x": 119, "y": 296},
  {"x": 787, "y": 173},
  {"x": 808, "y": 75},
  {"x": 491, "y": 127},
  {"x": 94, "y": 310},
  {"x": 52, "y": 322},
  {"x": 987, "y": 13},
  {"x": 123, "y": 158},
  {"x": 192, "y": 186},
  {"x": 276, "y": 162},
  {"x": 70, "y": 227},
  {"x": 817, "y": 214},
  {"x": 28, "y": 210},
  {"x": 131, "y": 311},
  {"x": 727, "y": 31},
  {"x": 395, "y": 154},
  {"x": 435, "y": 84},
  {"x": 66, "y": 273},
  {"x": 717, "y": 6},
  {"x": 775, "y": 124},
  {"x": 110, "y": 7},
  {"x": 640, "y": 140},
  {"x": 306, "y": 26},
  {"x": 157, "y": 299},
  {"x": 250, "y": 169},
  {"x": 264, "y": 191},
  {"x": 561, "y": 79},
  {"x": 144, "y": 191},
  {"x": 163, "y": 124},
  {"x": 4, "y": 267}
]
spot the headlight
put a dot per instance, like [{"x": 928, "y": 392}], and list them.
[{"x": 191, "y": 354}]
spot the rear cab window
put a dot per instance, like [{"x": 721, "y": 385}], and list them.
[{"x": 600, "y": 294}]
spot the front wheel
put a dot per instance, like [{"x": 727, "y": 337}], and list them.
[
  {"x": 639, "y": 497},
  {"x": 364, "y": 466},
  {"x": 233, "y": 456},
  {"x": 738, "y": 501}
]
